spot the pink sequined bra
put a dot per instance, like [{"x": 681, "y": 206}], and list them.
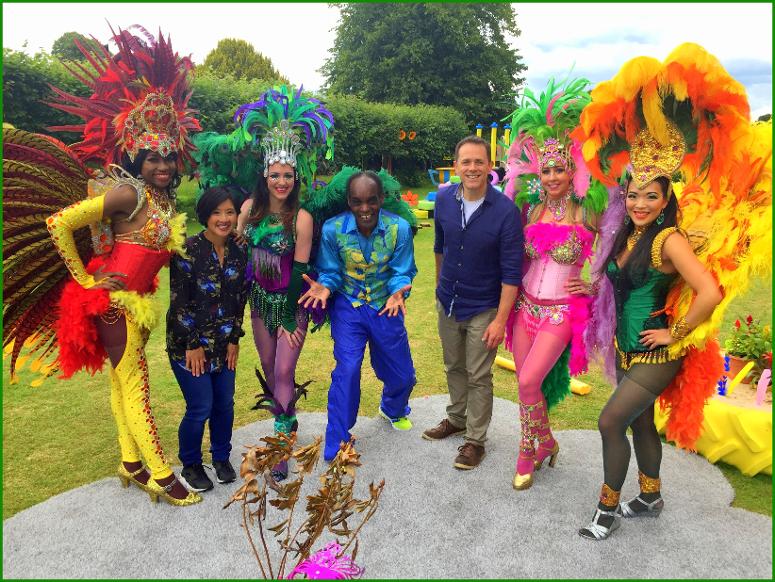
[{"x": 566, "y": 244}]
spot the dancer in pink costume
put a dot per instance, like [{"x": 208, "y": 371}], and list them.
[{"x": 545, "y": 332}]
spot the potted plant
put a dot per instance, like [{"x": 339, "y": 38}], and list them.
[{"x": 749, "y": 342}]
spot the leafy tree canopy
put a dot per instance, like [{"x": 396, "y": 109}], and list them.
[
  {"x": 64, "y": 47},
  {"x": 437, "y": 54},
  {"x": 240, "y": 60}
]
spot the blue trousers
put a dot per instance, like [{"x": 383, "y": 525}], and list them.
[
  {"x": 210, "y": 396},
  {"x": 351, "y": 328}
]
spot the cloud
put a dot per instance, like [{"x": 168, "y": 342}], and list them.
[{"x": 595, "y": 40}]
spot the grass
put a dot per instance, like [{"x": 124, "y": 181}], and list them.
[{"x": 61, "y": 435}]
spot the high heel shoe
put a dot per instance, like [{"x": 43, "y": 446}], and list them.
[
  {"x": 595, "y": 531},
  {"x": 542, "y": 453},
  {"x": 523, "y": 478},
  {"x": 652, "y": 509},
  {"x": 126, "y": 477},
  {"x": 155, "y": 491}
]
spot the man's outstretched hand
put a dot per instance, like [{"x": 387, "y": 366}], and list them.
[
  {"x": 316, "y": 295},
  {"x": 395, "y": 302}
]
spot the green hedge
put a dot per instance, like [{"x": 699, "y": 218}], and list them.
[
  {"x": 365, "y": 130},
  {"x": 26, "y": 90},
  {"x": 365, "y": 133}
]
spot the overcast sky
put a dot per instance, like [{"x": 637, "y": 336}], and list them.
[{"x": 595, "y": 39}]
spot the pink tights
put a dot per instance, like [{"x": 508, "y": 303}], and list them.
[{"x": 537, "y": 346}]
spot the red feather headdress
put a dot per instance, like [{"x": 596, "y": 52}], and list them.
[{"x": 139, "y": 100}]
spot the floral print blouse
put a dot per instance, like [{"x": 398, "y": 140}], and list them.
[{"x": 207, "y": 300}]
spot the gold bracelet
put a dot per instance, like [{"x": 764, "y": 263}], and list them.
[{"x": 680, "y": 329}]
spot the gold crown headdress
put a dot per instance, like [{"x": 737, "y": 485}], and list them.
[
  {"x": 651, "y": 159},
  {"x": 139, "y": 101}
]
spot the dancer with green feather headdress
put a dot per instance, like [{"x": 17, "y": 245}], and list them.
[
  {"x": 285, "y": 132},
  {"x": 547, "y": 176}
]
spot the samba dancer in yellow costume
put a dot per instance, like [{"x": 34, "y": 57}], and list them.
[
  {"x": 138, "y": 116},
  {"x": 669, "y": 260}
]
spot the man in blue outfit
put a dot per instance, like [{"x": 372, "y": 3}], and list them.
[
  {"x": 478, "y": 246},
  {"x": 366, "y": 262}
]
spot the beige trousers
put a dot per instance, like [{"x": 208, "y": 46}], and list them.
[{"x": 468, "y": 364}]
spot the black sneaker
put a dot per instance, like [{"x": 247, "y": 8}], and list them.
[
  {"x": 195, "y": 478},
  {"x": 224, "y": 472}
]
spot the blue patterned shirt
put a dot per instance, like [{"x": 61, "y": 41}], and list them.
[{"x": 366, "y": 270}]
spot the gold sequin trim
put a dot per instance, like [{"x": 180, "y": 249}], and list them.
[
  {"x": 659, "y": 242},
  {"x": 680, "y": 329},
  {"x": 113, "y": 313},
  {"x": 609, "y": 497},
  {"x": 649, "y": 484},
  {"x": 660, "y": 355}
]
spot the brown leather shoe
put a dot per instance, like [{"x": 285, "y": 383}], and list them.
[
  {"x": 469, "y": 456},
  {"x": 444, "y": 429}
]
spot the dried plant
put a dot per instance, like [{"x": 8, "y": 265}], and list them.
[{"x": 329, "y": 508}]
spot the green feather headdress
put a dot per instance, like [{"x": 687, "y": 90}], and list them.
[
  {"x": 289, "y": 128},
  {"x": 541, "y": 126}
]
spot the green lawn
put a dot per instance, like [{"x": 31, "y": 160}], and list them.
[{"x": 61, "y": 435}]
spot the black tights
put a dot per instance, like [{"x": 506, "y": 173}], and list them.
[{"x": 632, "y": 404}]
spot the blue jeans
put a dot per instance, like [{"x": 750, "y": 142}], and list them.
[
  {"x": 210, "y": 396},
  {"x": 351, "y": 328}
]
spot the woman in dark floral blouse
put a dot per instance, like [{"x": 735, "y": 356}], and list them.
[{"x": 204, "y": 323}]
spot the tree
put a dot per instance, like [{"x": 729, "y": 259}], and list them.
[
  {"x": 240, "y": 60},
  {"x": 438, "y": 54},
  {"x": 216, "y": 98},
  {"x": 64, "y": 47}
]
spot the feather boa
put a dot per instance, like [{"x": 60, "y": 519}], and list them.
[
  {"x": 579, "y": 321},
  {"x": 556, "y": 385},
  {"x": 684, "y": 399},
  {"x": 79, "y": 346},
  {"x": 599, "y": 334}
]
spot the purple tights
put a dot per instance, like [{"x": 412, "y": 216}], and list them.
[{"x": 278, "y": 359}]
